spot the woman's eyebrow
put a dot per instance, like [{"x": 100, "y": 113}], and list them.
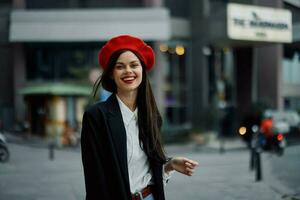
[{"x": 133, "y": 61}]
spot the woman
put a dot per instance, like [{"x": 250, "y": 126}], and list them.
[{"x": 122, "y": 153}]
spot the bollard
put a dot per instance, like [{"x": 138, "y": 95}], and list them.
[
  {"x": 255, "y": 161},
  {"x": 251, "y": 162},
  {"x": 253, "y": 147},
  {"x": 258, "y": 176},
  {"x": 51, "y": 151}
]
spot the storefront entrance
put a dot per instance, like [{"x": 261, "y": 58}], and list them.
[{"x": 37, "y": 113}]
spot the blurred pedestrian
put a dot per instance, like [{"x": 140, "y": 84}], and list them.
[
  {"x": 266, "y": 127},
  {"x": 68, "y": 136},
  {"x": 122, "y": 153}
]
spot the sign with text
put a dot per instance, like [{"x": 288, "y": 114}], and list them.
[{"x": 245, "y": 22}]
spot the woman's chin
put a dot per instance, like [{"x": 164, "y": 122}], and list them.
[{"x": 128, "y": 89}]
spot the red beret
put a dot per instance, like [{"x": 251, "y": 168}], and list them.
[{"x": 127, "y": 42}]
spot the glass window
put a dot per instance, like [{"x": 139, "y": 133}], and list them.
[
  {"x": 60, "y": 61},
  {"x": 291, "y": 69},
  {"x": 175, "y": 83}
]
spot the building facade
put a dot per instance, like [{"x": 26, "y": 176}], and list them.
[
  {"x": 241, "y": 58},
  {"x": 202, "y": 71}
]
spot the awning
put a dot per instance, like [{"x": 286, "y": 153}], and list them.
[
  {"x": 60, "y": 89},
  {"x": 88, "y": 24}
]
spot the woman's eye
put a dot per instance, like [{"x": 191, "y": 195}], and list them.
[
  {"x": 119, "y": 66},
  {"x": 134, "y": 65}
]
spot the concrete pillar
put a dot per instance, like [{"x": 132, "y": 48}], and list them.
[
  {"x": 243, "y": 70},
  {"x": 199, "y": 86},
  {"x": 269, "y": 77},
  {"x": 19, "y": 75},
  {"x": 153, "y": 3},
  {"x": 269, "y": 68},
  {"x": 158, "y": 75},
  {"x": 158, "y": 79},
  {"x": 19, "y": 4},
  {"x": 198, "y": 73},
  {"x": 6, "y": 75}
]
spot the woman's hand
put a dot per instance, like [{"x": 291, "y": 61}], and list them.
[{"x": 182, "y": 165}]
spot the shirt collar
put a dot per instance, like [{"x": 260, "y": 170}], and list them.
[{"x": 127, "y": 114}]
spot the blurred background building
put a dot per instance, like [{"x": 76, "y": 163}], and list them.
[{"x": 215, "y": 58}]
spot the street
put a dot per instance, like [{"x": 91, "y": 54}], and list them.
[
  {"x": 227, "y": 176},
  {"x": 30, "y": 175},
  {"x": 286, "y": 168}
]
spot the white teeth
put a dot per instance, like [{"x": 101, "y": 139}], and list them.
[{"x": 128, "y": 78}]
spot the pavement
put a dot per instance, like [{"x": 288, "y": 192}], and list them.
[
  {"x": 225, "y": 175},
  {"x": 211, "y": 143},
  {"x": 34, "y": 141}
]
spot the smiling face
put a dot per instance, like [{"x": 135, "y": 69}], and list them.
[{"x": 127, "y": 72}]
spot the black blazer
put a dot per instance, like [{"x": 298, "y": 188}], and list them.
[{"x": 104, "y": 154}]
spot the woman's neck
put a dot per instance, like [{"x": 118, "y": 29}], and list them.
[{"x": 129, "y": 99}]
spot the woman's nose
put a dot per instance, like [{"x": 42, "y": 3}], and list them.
[{"x": 128, "y": 68}]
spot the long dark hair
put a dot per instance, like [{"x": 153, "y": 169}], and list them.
[{"x": 149, "y": 118}]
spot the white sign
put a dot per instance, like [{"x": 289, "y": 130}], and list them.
[{"x": 255, "y": 23}]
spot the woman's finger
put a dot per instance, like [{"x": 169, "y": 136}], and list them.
[
  {"x": 190, "y": 161},
  {"x": 189, "y": 170},
  {"x": 188, "y": 164},
  {"x": 189, "y": 173}
]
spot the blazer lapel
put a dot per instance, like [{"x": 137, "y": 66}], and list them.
[{"x": 118, "y": 133}]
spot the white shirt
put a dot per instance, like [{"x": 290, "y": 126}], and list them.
[
  {"x": 139, "y": 171},
  {"x": 138, "y": 165}
]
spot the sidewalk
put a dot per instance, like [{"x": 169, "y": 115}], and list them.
[
  {"x": 233, "y": 143},
  {"x": 226, "y": 173},
  {"x": 212, "y": 143},
  {"x": 219, "y": 176},
  {"x": 209, "y": 143},
  {"x": 225, "y": 176},
  {"x": 33, "y": 141}
]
